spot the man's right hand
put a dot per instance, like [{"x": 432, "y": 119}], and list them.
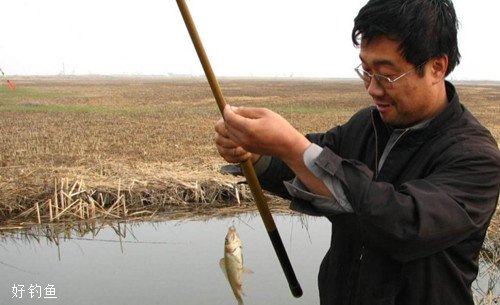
[{"x": 228, "y": 149}]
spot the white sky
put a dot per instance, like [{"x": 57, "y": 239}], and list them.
[{"x": 242, "y": 38}]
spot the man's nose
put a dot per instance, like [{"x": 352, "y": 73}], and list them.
[{"x": 374, "y": 88}]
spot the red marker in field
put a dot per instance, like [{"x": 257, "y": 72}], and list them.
[{"x": 9, "y": 83}]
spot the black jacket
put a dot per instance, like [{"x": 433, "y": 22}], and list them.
[{"x": 418, "y": 225}]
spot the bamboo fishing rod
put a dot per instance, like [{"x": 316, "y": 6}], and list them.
[{"x": 247, "y": 166}]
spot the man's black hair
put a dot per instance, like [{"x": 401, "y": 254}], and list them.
[{"x": 424, "y": 28}]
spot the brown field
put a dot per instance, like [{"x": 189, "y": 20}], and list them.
[{"x": 74, "y": 148}]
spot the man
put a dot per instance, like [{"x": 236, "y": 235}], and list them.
[{"x": 409, "y": 184}]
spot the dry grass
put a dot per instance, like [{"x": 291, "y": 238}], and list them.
[
  {"x": 76, "y": 148},
  {"x": 102, "y": 147}
]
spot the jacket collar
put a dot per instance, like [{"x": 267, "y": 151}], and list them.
[
  {"x": 452, "y": 111},
  {"x": 450, "y": 114}
]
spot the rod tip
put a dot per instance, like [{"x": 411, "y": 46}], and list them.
[{"x": 296, "y": 291}]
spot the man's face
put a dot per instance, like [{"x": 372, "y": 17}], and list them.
[{"x": 411, "y": 99}]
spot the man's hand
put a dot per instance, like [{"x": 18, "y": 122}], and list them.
[
  {"x": 227, "y": 148},
  {"x": 264, "y": 132},
  {"x": 252, "y": 132}
]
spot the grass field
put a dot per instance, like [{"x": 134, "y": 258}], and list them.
[{"x": 74, "y": 148}]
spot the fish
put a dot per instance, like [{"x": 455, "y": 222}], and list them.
[{"x": 232, "y": 263}]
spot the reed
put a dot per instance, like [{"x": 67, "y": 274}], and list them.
[{"x": 74, "y": 201}]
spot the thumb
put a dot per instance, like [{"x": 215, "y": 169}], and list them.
[
  {"x": 232, "y": 118},
  {"x": 250, "y": 112}
]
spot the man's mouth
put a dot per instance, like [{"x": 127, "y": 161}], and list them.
[{"x": 382, "y": 107}]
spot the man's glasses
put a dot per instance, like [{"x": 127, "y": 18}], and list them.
[{"x": 382, "y": 80}]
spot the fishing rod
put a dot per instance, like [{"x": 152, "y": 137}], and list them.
[{"x": 247, "y": 166}]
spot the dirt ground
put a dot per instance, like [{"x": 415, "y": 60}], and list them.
[{"x": 71, "y": 147}]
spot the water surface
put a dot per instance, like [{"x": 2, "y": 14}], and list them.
[{"x": 170, "y": 262}]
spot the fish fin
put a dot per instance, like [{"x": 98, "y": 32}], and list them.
[
  {"x": 222, "y": 265},
  {"x": 246, "y": 270}
]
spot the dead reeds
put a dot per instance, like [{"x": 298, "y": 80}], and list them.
[{"x": 69, "y": 200}]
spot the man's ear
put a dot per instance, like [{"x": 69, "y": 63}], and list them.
[{"x": 437, "y": 68}]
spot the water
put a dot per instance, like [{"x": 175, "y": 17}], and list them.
[{"x": 171, "y": 262}]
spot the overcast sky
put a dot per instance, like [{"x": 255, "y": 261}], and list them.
[{"x": 242, "y": 38}]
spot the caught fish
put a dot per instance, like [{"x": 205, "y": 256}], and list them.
[{"x": 232, "y": 263}]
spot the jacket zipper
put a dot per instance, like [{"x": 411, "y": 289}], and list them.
[
  {"x": 353, "y": 278},
  {"x": 376, "y": 144},
  {"x": 360, "y": 259},
  {"x": 376, "y": 147},
  {"x": 400, "y": 136}
]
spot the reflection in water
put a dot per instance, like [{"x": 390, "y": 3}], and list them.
[
  {"x": 486, "y": 288},
  {"x": 171, "y": 262}
]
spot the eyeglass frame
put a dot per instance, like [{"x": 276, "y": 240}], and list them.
[{"x": 360, "y": 71}]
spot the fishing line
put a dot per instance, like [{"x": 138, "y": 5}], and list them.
[
  {"x": 18, "y": 269},
  {"x": 244, "y": 222},
  {"x": 108, "y": 240}
]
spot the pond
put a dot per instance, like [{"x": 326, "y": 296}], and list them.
[{"x": 170, "y": 262}]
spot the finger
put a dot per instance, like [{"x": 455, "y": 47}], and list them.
[
  {"x": 224, "y": 142},
  {"x": 240, "y": 155},
  {"x": 244, "y": 114},
  {"x": 226, "y": 155},
  {"x": 239, "y": 152},
  {"x": 250, "y": 112},
  {"x": 238, "y": 127},
  {"x": 220, "y": 128},
  {"x": 234, "y": 155},
  {"x": 233, "y": 119}
]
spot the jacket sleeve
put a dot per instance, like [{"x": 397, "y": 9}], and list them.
[
  {"x": 273, "y": 177},
  {"x": 427, "y": 215},
  {"x": 277, "y": 172}
]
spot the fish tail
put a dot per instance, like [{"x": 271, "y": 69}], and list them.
[{"x": 240, "y": 300}]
